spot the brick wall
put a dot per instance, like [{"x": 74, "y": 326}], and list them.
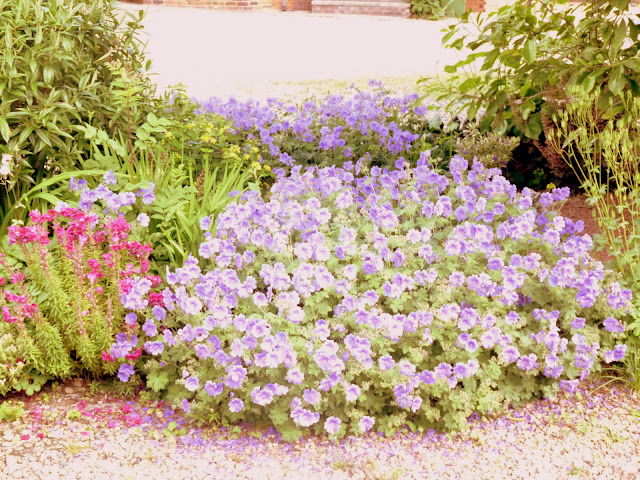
[
  {"x": 222, "y": 4},
  {"x": 292, "y": 5},
  {"x": 476, "y": 5}
]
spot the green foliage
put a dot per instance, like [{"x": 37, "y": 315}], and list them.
[
  {"x": 65, "y": 64},
  {"x": 606, "y": 160},
  {"x": 429, "y": 9},
  {"x": 493, "y": 151},
  {"x": 62, "y": 297},
  {"x": 10, "y": 411},
  {"x": 313, "y": 323},
  {"x": 528, "y": 54},
  {"x": 193, "y": 161}
]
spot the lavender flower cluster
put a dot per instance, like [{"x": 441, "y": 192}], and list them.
[
  {"x": 331, "y": 131},
  {"x": 355, "y": 299}
]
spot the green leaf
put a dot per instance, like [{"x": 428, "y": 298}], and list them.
[
  {"x": 617, "y": 80},
  {"x": 529, "y": 52},
  {"x": 48, "y": 74},
  {"x": 4, "y": 129},
  {"x": 157, "y": 380}
]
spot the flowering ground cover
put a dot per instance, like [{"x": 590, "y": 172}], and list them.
[{"x": 345, "y": 325}]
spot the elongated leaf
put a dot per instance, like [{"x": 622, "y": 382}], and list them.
[
  {"x": 529, "y": 52},
  {"x": 4, "y": 129}
]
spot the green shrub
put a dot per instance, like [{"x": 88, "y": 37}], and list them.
[
  {"x": 429, "y": 9},
  {"x": 356, "y": 298},
  {"x": 606, "y": 160},
  {"x": 10, "y": 412},
  {"x": 60, "y": 306},
  {"x": 64, "y": 64},
  {"x": 493, "y": 151},
  {"x": 530, "y": 54}
]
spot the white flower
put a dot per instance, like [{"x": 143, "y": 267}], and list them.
[
  {"x": 5, "y": 165},
  {"x": 143, "y": 219}
]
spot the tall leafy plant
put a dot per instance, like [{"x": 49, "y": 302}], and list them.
[
  {"x": 605, "y": 158},
  {"x": 525, "y": 56},
  {"x": 65, "y": 63}
]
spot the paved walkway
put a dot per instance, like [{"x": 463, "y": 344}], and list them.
[{"x": 261, "y": 53}]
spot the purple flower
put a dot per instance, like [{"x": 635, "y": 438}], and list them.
[
  {"x": 303, "y": 417},
  {"x": 124, "y": 372},
  {"x": 150, "y": 328},
  {"x": 612, "y": 325},
  {"x": 109, "y": 178},
  {"x": 143, "y": 219},
  {"x": 154, "y": 348},
  {"x": 205, "y": 223},
  {"x": 295, "y": 376},
  {"x": 311, "y": 396},
  {"x": 366, "y": 423},
  {"x": 456, "y": 279},
  {"x": 159, "y": 312},
  {"x": 235, "y": 376},
  {"x": 352, "y": 392},
  {"x": 578, "y": 323},
  {"x": 569, "y": 386},
  {"x": 510, "y": 354},
  {"x": 213, "y": 389},
  {"x": 192, "y": 383},
  {"x": 262, "y": 396},
  {"x": 130, "y": 318},
  {"x": 332, "y": 425},
  {"x": 386, "y": 362},
  {"x": 236, "y": 405},
  {"x": 527, "y": 362},
  {"x": 616, "y": 355}
]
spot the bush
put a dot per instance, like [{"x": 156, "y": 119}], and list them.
[
  {"x": 605, "y": 160},
  {"x": 65, "y": 64},
  {"x": 333, "y": 130},
  {"x": 429, "y": 9},
  {"x": 193, "y": 161},
  {"x": 529, "y": 55},
  {"x": 61, "y": 304},
  {"x": 399, "y": 298},
  {"x": 493, "y": 151}
]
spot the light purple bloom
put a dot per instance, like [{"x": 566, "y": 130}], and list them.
[
  {"x": 311, "y": 396},
  {"x": 192, "y": 383},
  {"x": 124, "y": 372},
  {"x": 612, "y": 325},
  {"x": 236, "y": 405},
  {"x": 366, "y": 423},
  {"x": 154, "y": 348},
  {"x": 352, "y": 392},
  {"x": 332, "y": 425},
  {"x": 213, "y": 389}
]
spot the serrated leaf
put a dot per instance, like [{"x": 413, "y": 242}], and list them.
[{"x": 157, "y": 380}]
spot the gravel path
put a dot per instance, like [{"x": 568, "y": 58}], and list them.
[{"x": 72, "y": 434}]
